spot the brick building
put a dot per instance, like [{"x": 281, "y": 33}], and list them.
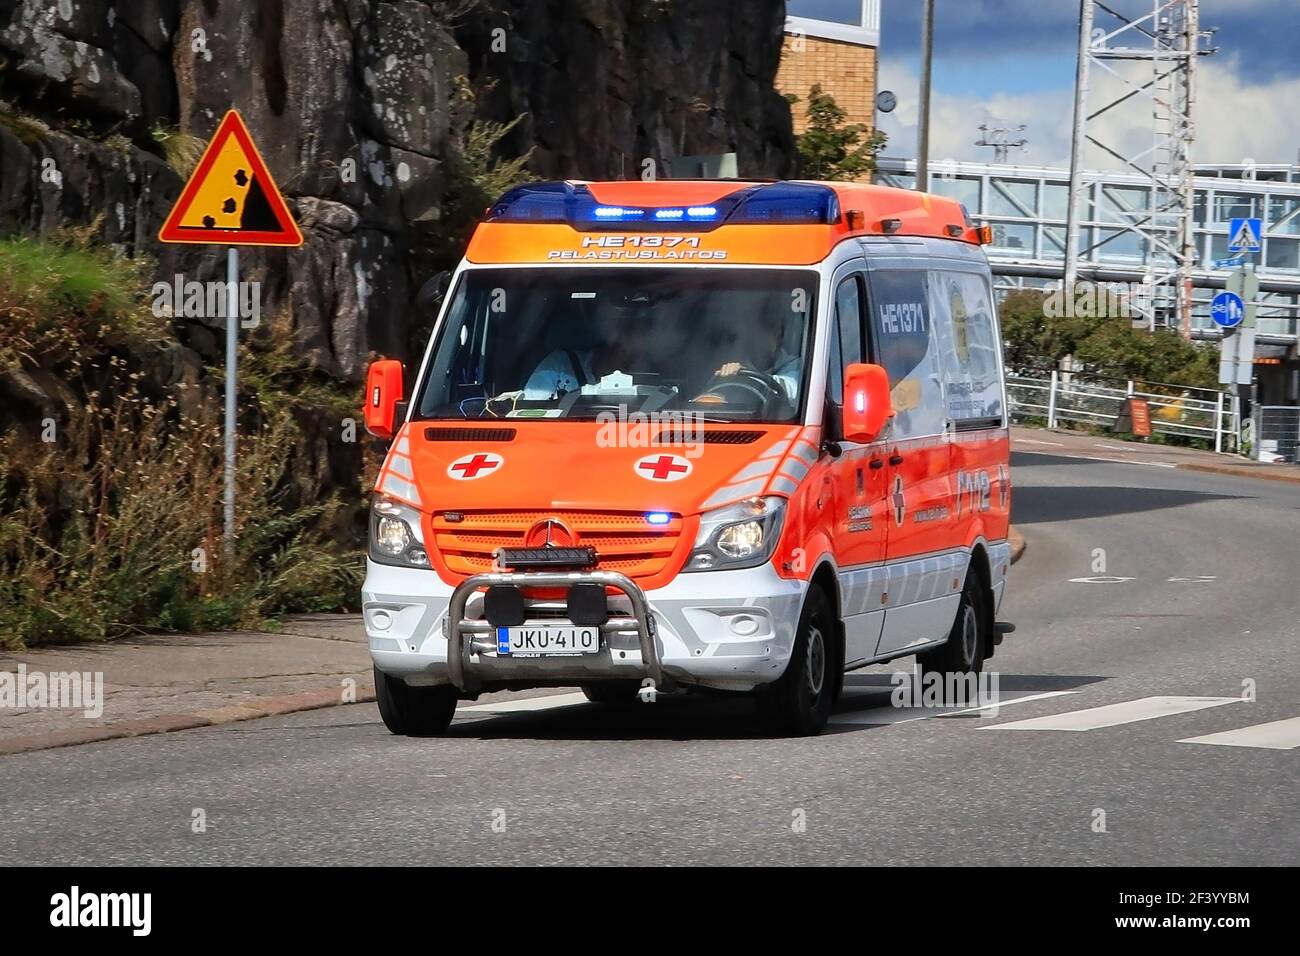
[{"x": 833, "y": 43}]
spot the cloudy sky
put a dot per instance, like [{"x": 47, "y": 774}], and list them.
[{"x": 1009, "y": 62}]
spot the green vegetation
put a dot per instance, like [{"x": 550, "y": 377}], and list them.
[
  {"x": 830, "y": 149},
  {"x": 28, "y": 129},
  {"x": 110, "y": 478},
  {"x": 181, "y": 150},
  {"x": 476, "y": 176},
  {"x": 1102, "y": 344}
]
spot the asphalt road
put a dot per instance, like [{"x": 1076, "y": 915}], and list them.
[{"x": 1198, "y": 595}]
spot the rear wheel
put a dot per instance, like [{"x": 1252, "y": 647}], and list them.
[
  {"x": 414, "y": 711},
  {"x": 799, "y": 704},
  {"x": 967, "y": 645}
]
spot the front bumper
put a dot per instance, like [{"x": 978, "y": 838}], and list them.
[{"x": 729, "y": 630}]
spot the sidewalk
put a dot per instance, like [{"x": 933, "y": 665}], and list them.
[
  {"x": 1042, "y": 441},
  {"x": 171, "y": 682}
]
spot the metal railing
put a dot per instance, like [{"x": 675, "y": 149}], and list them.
[
  {"x": 1074, "y": 397},
  {"x": 1277, "y": 433}
]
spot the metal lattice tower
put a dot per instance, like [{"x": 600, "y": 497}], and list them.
[{"x": 1152, "y": 56}]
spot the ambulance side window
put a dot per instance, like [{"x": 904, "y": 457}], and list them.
[
  {"x": 966, "y": 327},
  {"x": 906, "y": 344},
  {"x": 846, "y": 335}
]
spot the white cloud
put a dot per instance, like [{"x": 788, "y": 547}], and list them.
[{"x": 1235, "y": 120}]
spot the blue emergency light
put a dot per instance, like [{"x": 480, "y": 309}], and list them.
[{"x": 574, "y": 204}]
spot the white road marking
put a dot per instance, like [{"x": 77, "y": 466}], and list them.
[
  {"x": 888, "y": 714},
  {"x": 1013, "y": 700},
  {"x": 526, "y": 705},
  {"x": 1126, "y": 461},
  {"x": 1034, "y": 441},
  {"x": 1274, "y": 735},
  {"x": 1111, "y": 715}
]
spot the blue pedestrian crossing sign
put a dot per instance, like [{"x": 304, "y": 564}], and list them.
[
  {"x": 1228, "y": 309},
  {"x": 1244, "y": 235}
]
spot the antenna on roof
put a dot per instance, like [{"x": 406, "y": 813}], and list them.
[{"x": 996, "y": 137}]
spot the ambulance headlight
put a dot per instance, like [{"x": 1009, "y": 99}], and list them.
[
  {"x": 394, "y": 534},
  {"x": 742, "y": 535}
]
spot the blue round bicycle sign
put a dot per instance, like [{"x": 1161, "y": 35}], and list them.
[{"x": 1228, "y": 309}]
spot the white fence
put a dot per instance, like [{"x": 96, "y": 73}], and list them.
[{"x": 1073, "y": 397}]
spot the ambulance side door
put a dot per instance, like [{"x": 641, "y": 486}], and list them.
[
  {"x": 858, "y": 479},
  {"x": 925, "y": 563}
]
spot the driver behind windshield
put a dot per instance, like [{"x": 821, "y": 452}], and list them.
[{"x": 764, "y": 351}]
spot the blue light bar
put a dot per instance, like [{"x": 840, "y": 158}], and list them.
[
  {"x": 788, "y": 203},
  {"x": 574, "y": 204}
]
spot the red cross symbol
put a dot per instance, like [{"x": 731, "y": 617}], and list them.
[
  {"x": 663, "y": 467},
  {"x": 471, "y": 465}
]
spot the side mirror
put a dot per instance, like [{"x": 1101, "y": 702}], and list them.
[
  {"x": 866, "y": 402},
  {"x": 383, "y": 395},
  {"x": 433, "y": 292}
]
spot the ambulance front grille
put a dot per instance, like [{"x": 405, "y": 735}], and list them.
[{"x": 624, "y": 541}]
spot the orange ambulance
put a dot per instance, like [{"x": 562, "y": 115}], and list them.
[{"x": 737, "y": 436}]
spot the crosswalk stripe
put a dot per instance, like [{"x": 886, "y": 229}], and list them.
[
  {"x": 886, "y": 715},
  {"x": 526, "y": 705},
  {"x": 1274, "y": 735},
  {"x": 1111, "y": 715}
]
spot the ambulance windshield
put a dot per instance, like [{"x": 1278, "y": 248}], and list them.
[{"x": 576, "y": 343}]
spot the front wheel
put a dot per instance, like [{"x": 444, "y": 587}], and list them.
[
  {"x": 414, "y": 711},
  {"x": 799, "y": 704}
]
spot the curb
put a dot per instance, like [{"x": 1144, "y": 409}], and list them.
[
  {"x": 167, "y": 723},
  {"x": 1017, "y": 541},
  {"x": 1260, "y": 472}
]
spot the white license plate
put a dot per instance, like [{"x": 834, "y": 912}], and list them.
[{"x": 547, "y": 641}]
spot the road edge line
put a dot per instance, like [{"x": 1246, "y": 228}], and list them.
[{"x": 1238, "y": 472}]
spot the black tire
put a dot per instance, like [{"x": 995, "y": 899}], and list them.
[
  {"x": 968, "y": 641},
  {"x": 800, "y": 702},
  {"x": 612, "y": 693},
  {"x": 414, "y": 711}
]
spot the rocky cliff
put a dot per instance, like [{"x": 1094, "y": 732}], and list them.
[{"x": 360, "y": 108}]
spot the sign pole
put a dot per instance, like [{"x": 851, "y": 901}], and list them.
[
  {"x": 231, "y": 200},
  {"x": 232, "y": 358}
]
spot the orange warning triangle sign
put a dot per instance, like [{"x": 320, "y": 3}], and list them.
[{"x": 231, "y": 199}]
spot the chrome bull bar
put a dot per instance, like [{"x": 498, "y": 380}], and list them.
[{"x": 457, "y": 628}]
